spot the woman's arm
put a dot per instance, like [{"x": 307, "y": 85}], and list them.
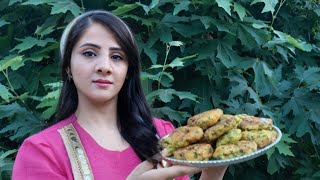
[
  {"x": 146, "y": 170},
  {"x": 214, "y": 173}
]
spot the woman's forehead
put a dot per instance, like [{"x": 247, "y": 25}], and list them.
[{"x": 98, "y": 34}]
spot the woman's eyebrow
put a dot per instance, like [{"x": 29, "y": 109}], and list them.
[
  {"x": 116, "y": 48},
  {"x": 91, "y": 44}
]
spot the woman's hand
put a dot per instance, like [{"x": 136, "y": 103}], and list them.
[
  {"x": 214, "y": 173},
  {"x": 146, "y": 170}
]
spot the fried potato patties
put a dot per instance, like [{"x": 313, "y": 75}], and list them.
[
  {"x": 195, "y": 152},
  {"x": 254, "y": 123},
  {"x": 205, "y": 119},
  {"x": 239, "y": 148},
  {"x": 223, "y": 126},
  {"x": 230, "y": 137},
  {"x": 181, "y": 137},
  {"x": 261, "y": 137}
]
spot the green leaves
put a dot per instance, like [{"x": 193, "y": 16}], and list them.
[
  {"x": 264, "y": 79},
  {"x": 146, "y": 8},
  {"x": 227, "y": 55},
  {"x": 283, "y": 146},
  {"x": 4, "y": 93},
  {"x": 22, "y": 122},
  {"x": 124, "y": 8},
  {"x": 269, "y": 5},
  {"x": 6, "y": 163},
  {"x": 3, "y": 22},
  {"x": 29, "y": 42},
  {"x": 12, "y": 61},
  {"x": 58, "y": 6},
  {"x": 225, "y": 4},
  {"x": 166, "y": 95},
  {"x": 252, "y": 37},
  {"x": 240, "y": 10},
  {"x": 183, "y": 5}
]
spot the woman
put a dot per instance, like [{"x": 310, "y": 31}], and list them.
[{"x": 105, "y": 128}]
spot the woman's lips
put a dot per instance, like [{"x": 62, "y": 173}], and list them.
[{"x": 102, "y": 83}]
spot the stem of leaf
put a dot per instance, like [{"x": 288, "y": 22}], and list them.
[
  {"x": 274, "y": 16},
  {"x": 4, "y": 148},
  {"x": 164, "y": 64},
  {"x": 82, "y": 6},
  {"x": 17, "y": 96}
]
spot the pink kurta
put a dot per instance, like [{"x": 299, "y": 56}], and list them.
[{"x": 43, "y": 155}]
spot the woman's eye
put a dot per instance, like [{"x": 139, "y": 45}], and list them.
[
  {"x": 116, "y": 57},
  {"x": 89, "y": 54}
]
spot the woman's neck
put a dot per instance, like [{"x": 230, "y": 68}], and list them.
[
  {"x": 103, "y": 115},
  {"x": 100, "y": 121}
]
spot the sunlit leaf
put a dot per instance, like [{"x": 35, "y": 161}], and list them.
[
  {"x": 29, "y": 42},
  {"x": 3, "y": 22},
  {"x": 175, "y": 43},
  {"x": 4, "y": 93},
  {"x": 12, "y": 61},
  {"x": 124, "y": 9},
  {"x": 14, "y": 1},
  {"x": 62, "y": 6},
  {"x": 240, "y": 10},
  {"x": 179, "y": 62},
  {"x": 269, "y": 5},
  {"x": 183, "y": 5},
  {"x": 225, "y": 4},
  {"x": 146, "y": 8}
]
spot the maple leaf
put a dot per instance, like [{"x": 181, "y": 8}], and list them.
[
  {"x": 269, "y": 5},
  {"x": 283, "y": 146},
  {"x": 225, "y": 4}
]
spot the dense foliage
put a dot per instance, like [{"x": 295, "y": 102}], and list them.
[{"x": 259, "y": 57}]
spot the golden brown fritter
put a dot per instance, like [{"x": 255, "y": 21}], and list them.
[
  {"x": 226, "y": 116},
  {"x": 261, "y": 137},
  {"x": 181, "y": 137},
  {"x": 240, "y": 148},
  {"x": 205, "y": 119},
  {"x": 230, "y": 137},
  {"x": 195, "y": 152},
  {"x": 223, "y": 126},
  {"x": 254, "y": 123}
]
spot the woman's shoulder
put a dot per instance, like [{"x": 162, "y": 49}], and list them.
[
  {"x": 163, "y": 127},
  {"x": 50, "y": 134},
  {"x": 43, "y": 152}
]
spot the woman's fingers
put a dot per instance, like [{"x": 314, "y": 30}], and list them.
[
  {"x": 171, "y": 172},
  {"x": 145, "y": 170},
  {"x": 143, "y": 167}
]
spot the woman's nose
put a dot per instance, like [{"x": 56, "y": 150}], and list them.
[{"x": 104, "y": 65}]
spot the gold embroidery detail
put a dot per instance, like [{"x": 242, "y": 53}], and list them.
[{"x": 78, "y": 158}]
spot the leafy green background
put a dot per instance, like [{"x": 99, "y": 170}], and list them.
[{"x": 259, "y": 57}]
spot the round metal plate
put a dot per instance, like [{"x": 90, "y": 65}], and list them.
[{"x": 212, "y": 163}]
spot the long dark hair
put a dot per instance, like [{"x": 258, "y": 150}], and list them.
[{"x": 134, "y": 116}]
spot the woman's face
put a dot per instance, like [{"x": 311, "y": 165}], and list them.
[{"x": 98, "y": 65}]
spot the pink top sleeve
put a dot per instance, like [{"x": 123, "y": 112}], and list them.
[
  {"x": 36, "y": 161},
  {"x": 164, "y": 128}
]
